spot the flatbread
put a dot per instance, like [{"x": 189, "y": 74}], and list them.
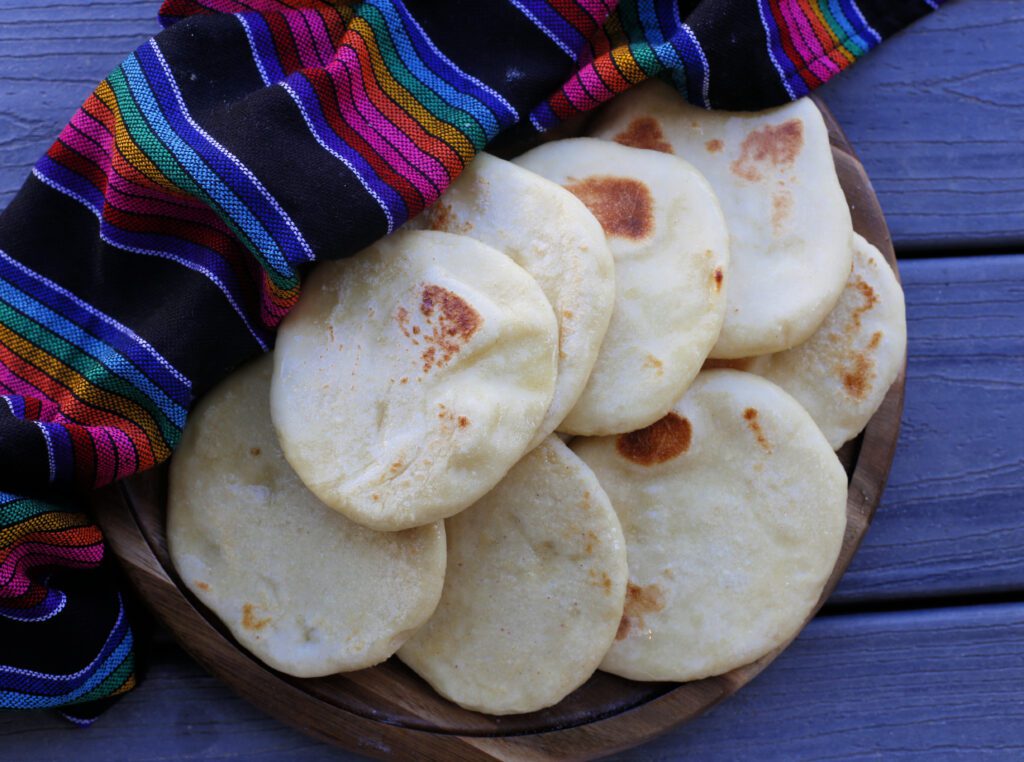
[
  {"x": 842, "y": 373},
  {"x": 734, "y": 507},
  {"x": 671, "y": 250},
  {"x": 789, "y": 223},
  {"x": 411, "y": 377},
  {"x": 304, "y": 589},
  {"x": 534, "y": 592},
  {"x": 550, "y": 233}
]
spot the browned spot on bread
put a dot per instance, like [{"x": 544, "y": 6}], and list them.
[
  {"x": 750, "y": 415},
  {"x": 870, "y": 300},
  {"x": 654, "y": 364},
  {"x": 660, "y": 442},
  {"x": 644, "y": 132},
  {"x": 719, "y": 276},
  {"x": 255, "y": 451},
  {"x": 397, "y": 465},
  {"x": 202, "y": 585},
  {"x": 857, "y": 376},
  {"x": 452, "y": 321},
  {"x": 782, "y": 207},
  {"x": 714, "y": 146},
  {"x": 441, "y": 218},
  {"x": 876, "y": 339},
  {"x": 416, "y": 330},
  {"x": 647, "y": 599},
  {"x": 249, "y": 620},
  {"x": 776, "y": 144},
  {"x": 622, "y": 205},
  {"x": 463, "y": 422},
  {"x": 740, "y": 363}
]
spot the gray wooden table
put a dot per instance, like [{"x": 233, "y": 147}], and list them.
[{"x": 920, "y": 653}]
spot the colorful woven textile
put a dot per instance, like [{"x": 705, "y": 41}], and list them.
[{"x": 160, "y": 241}]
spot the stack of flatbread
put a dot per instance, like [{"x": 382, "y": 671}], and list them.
[{"x": 680, "y": 296}]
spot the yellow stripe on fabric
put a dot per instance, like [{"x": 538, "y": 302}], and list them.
[
  {"x": 127, "y": 146},
  {"x": 44, "y": 522},
  {"x": 87, "y": 394},
  {"x": 408, "y": 102},
  {"x": 628, "y": 65}
]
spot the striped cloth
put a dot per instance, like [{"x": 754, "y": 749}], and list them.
[{"x": 162, "y": 238}]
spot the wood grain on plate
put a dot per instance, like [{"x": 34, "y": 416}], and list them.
[{"x": 387, "y": 709}]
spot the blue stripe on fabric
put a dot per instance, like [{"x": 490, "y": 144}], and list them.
[
  {"x": 306, "y": 100},
  {"x": 101, "y": 352},
  {"x": 216, "y": 175},
  {"x": 439, "y": 73},
  {"x": 262, "y": 42},
  {"x": 788, "y": 74},
  {"x": 49, "y": 607},
  {"x": 550, "y": 21},
  {"x": 36, "y": 690},
  {"x": 120, "y": 339},
  {"x": 68, "y": 182}
]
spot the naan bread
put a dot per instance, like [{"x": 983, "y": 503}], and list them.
[
  {"x": 734, "y": 507},
  {"x": 842, "y": 373},
  {"x": 671, "y": 250},
  {"x": 307, "y": 591},
  {"x": 410, "y": 378},
  {"x": 548, "y": 232},
  {"x": 788, "y": 220},
  {"x": 534, "y": 591}
]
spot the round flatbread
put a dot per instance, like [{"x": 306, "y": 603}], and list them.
[
  {"x": 550, "y": 233},
  {"x": 534, "y": 591},
  {"x": 671, "y": 250},
  {"x": 733, "y": 506},
  {"x": 842, "y": 373},
  {"x": 789, "y": 223},
  {"x": 307, "y": 591},
  {"x": 410, "y": 378}
]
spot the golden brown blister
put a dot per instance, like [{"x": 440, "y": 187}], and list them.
[{"x": 733, "y": 507}]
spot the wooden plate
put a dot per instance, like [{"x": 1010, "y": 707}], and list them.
[{"x": 387, "y": 710}]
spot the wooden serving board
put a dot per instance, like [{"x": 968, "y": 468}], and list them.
[{"x": 387, "y": 711}]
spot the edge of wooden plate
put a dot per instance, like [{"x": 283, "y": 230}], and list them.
[{"x": 130, "y": 514}]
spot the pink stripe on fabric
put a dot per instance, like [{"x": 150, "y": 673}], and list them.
[
  {"x": 127, "y": 458},
  {"x": 106, "y": 455},
  {"x": 23, "y": 388},
  {"x": 27, "y": 555},
  {"x": 577, "y": 96},
  {"x": 806, "y": 41},
  {"x": 315, "y": 31},
  {"x": 374, "y": 131},
  {"x": 594, "y": 83}
]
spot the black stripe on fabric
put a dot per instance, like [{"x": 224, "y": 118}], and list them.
[
  {"x": 736, "y": 46},
  {"x": 499, "y": 45},
  {"x": 67, "y": 642},
  {"x": 24, "y": 459},
  {"x": 265, "y": 130},
  {"x": 889, "y": 16},
  {"x": 179, "y": 311}
]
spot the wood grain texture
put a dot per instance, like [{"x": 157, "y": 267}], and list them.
[
  {"x": 920, "y": 685},
  {"x": 52, "y": 54},
  {"x": 950, "y": 523},
  {"x": 936, "y": 113}
]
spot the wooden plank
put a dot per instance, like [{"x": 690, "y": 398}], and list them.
[
  {"x": 902, "y": 685},
  {"x": 935, "y": 113},
  {"x": 52, "y": 54},
  {"x": 936, "y": 116},
  {"x": 950, "y": 519}
]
